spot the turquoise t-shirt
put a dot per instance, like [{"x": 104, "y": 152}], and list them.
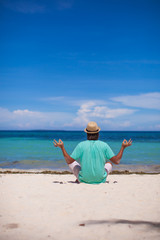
[{"x": 92, "y": 155}]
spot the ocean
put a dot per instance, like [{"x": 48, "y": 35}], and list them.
[{"x": 35, "y": 150}]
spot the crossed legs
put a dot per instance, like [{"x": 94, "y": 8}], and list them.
[{"x": 76, "y": 167}]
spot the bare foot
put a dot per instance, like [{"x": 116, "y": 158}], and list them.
[{"x": 77, "y": 181}]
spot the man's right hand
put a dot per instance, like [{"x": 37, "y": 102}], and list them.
[
  {"x": 126, "y": 144},
  {"x": 59, "y": 144}
]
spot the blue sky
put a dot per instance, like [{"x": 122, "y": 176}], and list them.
[{"x": 66, "y": 62}]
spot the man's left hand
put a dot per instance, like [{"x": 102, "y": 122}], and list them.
[{"x": 126, "y": 144}]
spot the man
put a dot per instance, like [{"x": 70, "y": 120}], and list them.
[{"x": 93, "y": 155}]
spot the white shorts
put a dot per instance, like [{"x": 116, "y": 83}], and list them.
[{"x": 76, "y": 167}]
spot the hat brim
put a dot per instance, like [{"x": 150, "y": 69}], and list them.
[{"x": 85, "y": 130}]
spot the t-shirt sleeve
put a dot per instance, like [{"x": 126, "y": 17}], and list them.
[
  {"x": 108, "y": 152},
  {"x": 76, "y": 154}
]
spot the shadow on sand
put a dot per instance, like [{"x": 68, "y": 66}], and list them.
[
  {"x": 153, "y": 225},
  {"x": 76, "y": 181}
]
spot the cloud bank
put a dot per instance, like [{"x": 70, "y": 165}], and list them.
[
  {"x": 26, "y": 119},
  {"x": 130, "y": 112},
  {"x": 90, "y": 111}
]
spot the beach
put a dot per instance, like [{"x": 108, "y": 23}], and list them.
[{"x": 52, "y": 206}]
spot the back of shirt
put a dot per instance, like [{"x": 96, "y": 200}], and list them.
[{"x": 92, "y": 155}]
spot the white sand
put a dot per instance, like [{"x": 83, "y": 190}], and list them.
[{"x": 34, "y": 207}]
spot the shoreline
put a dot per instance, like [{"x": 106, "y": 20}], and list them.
[
  {"x": 117, "y": 169},
  {"x": 53, "y": 172}
]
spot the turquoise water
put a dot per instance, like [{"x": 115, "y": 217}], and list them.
[{"x": 34, "y": 149}]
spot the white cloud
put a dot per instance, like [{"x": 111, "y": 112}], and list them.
[
  {"x": 148, "y": 100},
  {"x": 26, "y": 119},
  {"x": 25, "y": 112},
  {"x": 105, "y": 112},
  {"x": 90, "y": 111}
]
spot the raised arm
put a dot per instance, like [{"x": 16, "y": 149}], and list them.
[
  {"x": 116, "y": 159},
  {"x": 60, "y": 144}
]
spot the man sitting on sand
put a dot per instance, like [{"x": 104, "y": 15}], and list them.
[{"x": 93, "y": 155}]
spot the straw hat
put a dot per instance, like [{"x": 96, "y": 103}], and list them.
[{"x": 92, "y": 127}]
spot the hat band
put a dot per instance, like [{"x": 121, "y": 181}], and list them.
[{"x": 92, "y": 131}]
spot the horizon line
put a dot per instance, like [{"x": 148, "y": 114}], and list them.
[{"x": 55, "y": 130}]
